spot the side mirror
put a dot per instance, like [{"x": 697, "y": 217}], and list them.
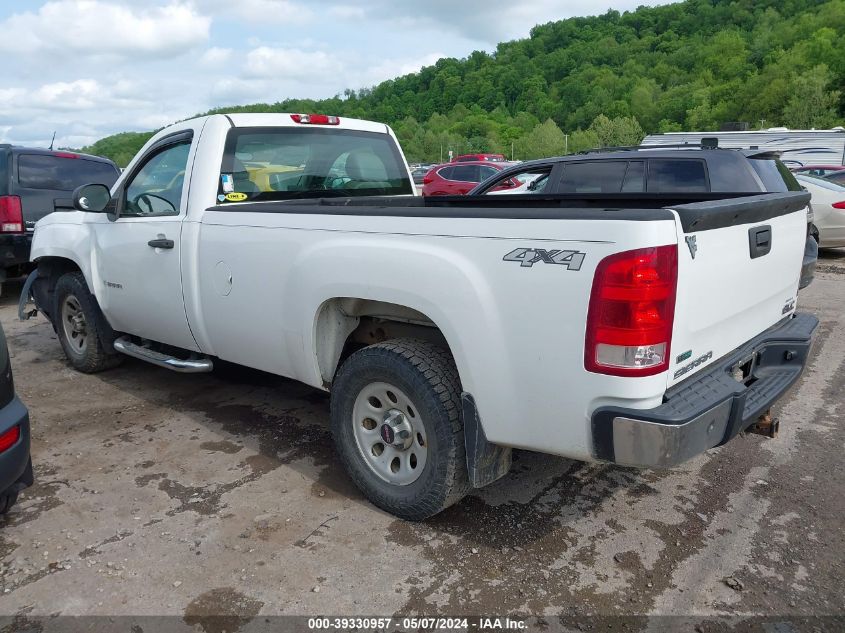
[{"x": 91, "y": 198}]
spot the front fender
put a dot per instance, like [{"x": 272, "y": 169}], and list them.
[{"x": 65, "y": 241}]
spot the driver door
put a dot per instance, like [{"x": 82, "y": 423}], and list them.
[{"x": 139, "y": 253}]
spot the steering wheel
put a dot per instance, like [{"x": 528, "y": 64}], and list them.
[{"x": 147, "y": 198}]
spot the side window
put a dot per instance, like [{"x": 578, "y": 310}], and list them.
[
  {"x": 532, "y": 180},
  {"x": 465, "y": 173},
  {"x": 672, "y": 175},
  {"x": 156, "y": 189},
  {"x": 446, "y": 173},
  {"x": 634, "y": 178},
  {"x": 603, "y": 176},
  {"x": 486, "y": 172}
]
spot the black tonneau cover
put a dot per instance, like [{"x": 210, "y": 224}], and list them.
[{"x": 698, "y": 211}]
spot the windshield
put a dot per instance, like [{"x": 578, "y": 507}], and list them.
[{"x": 290, "y": 163}]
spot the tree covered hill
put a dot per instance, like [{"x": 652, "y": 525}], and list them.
[{"x": 584, "y": 82}]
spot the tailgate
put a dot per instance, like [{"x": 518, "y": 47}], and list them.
[{"x": 739, "y": 263}]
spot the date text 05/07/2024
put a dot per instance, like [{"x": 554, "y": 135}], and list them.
[{"x": 434, "y": 624}]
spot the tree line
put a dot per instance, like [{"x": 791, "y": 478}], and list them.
[{"x": 606, "y": 80}]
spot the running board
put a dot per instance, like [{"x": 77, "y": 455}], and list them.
[{"x": 191, "y": 366}]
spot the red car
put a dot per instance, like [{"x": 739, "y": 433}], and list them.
[
  {"x": 479, "y": 158},
  {"x": 454, "y": 179},
  {"x": 816, "y": 170}
]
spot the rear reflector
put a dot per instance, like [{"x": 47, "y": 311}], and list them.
[
  {"x": 838, "y": 205},
  {"x": 11, "y": 219},
  {"x": 10, "y": 438},
  {"x": 632, "y": 311},
  {"x": 315, "y": 119}
]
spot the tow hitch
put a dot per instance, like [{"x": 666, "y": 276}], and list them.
[{"x": 766, "y": 425}]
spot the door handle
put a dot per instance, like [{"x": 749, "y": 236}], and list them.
[
  {"x": 161, "y": 243},
  {"x": 760, "y": 241}
]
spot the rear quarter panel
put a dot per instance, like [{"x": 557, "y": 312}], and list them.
[{"x": 517, "y": 333}]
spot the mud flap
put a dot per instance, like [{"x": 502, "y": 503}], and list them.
[
  {"x": 486, "y": 462},
  {"x": 26, "y": 297}
]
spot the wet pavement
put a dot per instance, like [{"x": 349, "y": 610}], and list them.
[{"x": 219, "y": 494}]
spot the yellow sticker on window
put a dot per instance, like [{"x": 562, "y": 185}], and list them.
[{"x": 236, "y": 197}]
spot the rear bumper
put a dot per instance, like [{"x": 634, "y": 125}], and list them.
[
  {"x": 15, "y": 465},
  {"x": 709, "y": 408},
  {"x": 14, "y": 249}
]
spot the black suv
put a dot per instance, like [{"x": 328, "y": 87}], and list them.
[
  {"x": 655, "y": 175},
  {"x": 32, "y": 182}
]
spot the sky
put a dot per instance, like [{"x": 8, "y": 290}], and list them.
[{"x": 89, "y": 68}]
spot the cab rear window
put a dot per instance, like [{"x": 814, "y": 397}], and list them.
[
  {"x": 59, "y": 173},
  {"x": 291, "y": 163}
]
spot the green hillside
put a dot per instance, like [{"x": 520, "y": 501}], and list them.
[{"x": 606, "y": 80}]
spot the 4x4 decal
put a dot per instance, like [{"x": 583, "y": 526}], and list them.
[{"x": 527, "y": 257}]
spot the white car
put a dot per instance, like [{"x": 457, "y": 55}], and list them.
[
  {"x": 828, "y": 209},
  {"x": 448, "y": 331}
]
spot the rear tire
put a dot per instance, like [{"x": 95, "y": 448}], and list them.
[
  {"x": 78, "y": 324},
  {"x": 417, "y": 467}
]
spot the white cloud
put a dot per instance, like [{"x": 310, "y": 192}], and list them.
[
  {"x": 347, "y": 12},
  {"x": 287, "y": 63},
  {"x": 215, "y": 56},
  {"x": 95, "y": 27},
  {"x": 260, "y": 11}
]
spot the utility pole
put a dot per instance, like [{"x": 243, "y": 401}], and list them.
[
  {"x": 511, "y": 151},
  {"x": 566, "y": 143},
  {"x": 762, "y": 123}
]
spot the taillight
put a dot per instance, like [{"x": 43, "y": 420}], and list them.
[
  {"x": 632, "y": 310},
  {"x": 11, "y": 219},
  {"x": 428, "y": 179},
  {"x": 838, "y": 205},
  {"x": 65, "y": 155},
  {"x": 9, "y": 438},
  {"x": 315, "y": 119}
]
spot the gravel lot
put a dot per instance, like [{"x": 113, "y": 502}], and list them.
[{"x": 159, "y": 493}]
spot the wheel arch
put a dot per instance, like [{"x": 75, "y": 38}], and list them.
[{"x": 344, "y": 322}]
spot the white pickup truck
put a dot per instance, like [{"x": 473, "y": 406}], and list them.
[{"x": 639, "y": 329}]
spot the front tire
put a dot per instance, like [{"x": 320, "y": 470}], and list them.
[
  {"x": 396, "y": 423},
  {"x": 78, "y": 324}
]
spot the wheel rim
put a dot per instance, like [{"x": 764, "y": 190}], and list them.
[
  {"x": 74, "y": 325},
  {"x": 389, "y": 433}
]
